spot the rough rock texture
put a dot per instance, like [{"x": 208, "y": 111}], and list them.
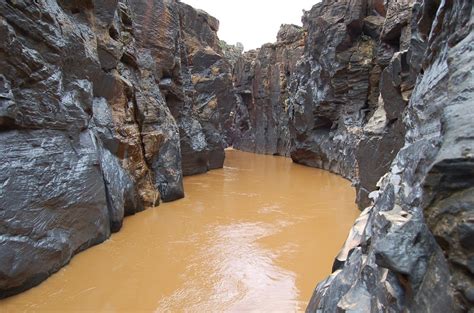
[
  {"x": 261, "y": 77},
  {"x": 106, "y": 104},
  {"x": 232, "y": 52},
  {"x": 383, "y": 95},
  {"x": 208, "y": 94},
  {"x": 412, "y": 251},
  {"x": 349, "y": 90},
  {"x": 103, "y": 106}
]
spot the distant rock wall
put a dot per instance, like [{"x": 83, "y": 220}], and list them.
[
  {"x": 232, "y": 52},
  {"x": 331, "y": 93},
  {"x": 261, "y": 77},
  {"x": 104, "y": 105}
]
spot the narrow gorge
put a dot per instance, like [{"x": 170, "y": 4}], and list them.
[{"x": 105, "y": 105}]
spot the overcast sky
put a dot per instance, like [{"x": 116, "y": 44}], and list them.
[{"x": 252, "y": 22}]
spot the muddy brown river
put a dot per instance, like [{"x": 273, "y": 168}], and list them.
[{"x": 255, "y": 236}]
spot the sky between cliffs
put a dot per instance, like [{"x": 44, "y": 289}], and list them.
[{"x": 252, "y": 22}]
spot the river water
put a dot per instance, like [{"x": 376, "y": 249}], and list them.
[{"x": 255, "y": 236}]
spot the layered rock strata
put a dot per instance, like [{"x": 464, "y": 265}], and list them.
[
  {"x": 261, "y": 77},
  {"x": 203, "y": 104},
  {"x": 411, "y": 251},
  {"x": 330, "y": 94},
  {"x": 383, "y": 95},
  {"x": 350, "y": 90},
  {"x": 104, "y": 105}
]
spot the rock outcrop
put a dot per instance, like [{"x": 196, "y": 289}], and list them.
[
  {"x": 350, "y": 89},
  {"x": 329, "y": 94},
  {"x": 209, "y": 92},
  {"x": 261, "y": 77},
  {"x": 104, "y": 105},
  {"x": 232, "y": 52},
  {"x": 411, "y": 251},
  {"x": 383, "y": 95}
]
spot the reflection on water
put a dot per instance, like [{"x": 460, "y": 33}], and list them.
[{"x": 254, "y": 236}]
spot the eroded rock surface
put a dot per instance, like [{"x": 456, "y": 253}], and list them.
[
  {"x": 104, "y": 105},
  {"x": 412, "y": 250},
  {"x": 332, "y": 93},
  {"x": 382, "y": 94},
  {"x": 261, "y": 77},
  {"x": 209, "y": 91},
  {"x": 350, "y": 89}
]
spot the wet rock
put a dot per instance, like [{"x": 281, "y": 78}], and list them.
[
  {"x": 156, "y": 30},
  {"x": 185, "y": 42},
  {"x": 121, "y": 192},
  {"x": 261, "y": 78},
  {"x": 53, "y": 203},
  {"x": 346, "y": 95},
  {"x": 89, "y": 129},
  {"x": 419, "y": 229}
]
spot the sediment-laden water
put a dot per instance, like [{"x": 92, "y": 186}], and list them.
[{"x": 254, "y": 236}]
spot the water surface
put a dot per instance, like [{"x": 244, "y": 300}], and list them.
[{"x": 255, "y": 236}]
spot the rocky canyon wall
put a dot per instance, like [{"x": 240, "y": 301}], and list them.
[
  {"x": 411, "y": 251},
  {"x": 382, "y": 93},
  {"x": 331, "y": 93},
  {"x": 104, "y": 106},
  {"x": 261, "y": 77},
  {"x": 350, "y": 90}
]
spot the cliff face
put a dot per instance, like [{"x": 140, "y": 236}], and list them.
[
  {"x": 332, "y": 93},
  {"x": 261, "y": 77},
  {"x": 412, "y": 250},
  {"x": 350, "y": 89},
  {"x": 204, "y": 114},
  {"x": 104, "y": 105},
  {"x": 383, "y": 95}
]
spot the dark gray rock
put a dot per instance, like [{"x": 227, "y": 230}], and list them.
[
  {"x": 348, "y": 93},
  {"x": 261, "y": 78},
  {"x": 197, "y": 89},
  {"x": 419, "y": 229},
  {"x": 105, "y": 105},
  {"x": 53, "y": 204},
  {"x": 89, "y": 129},
  {"x": 121, "y": 192}
]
